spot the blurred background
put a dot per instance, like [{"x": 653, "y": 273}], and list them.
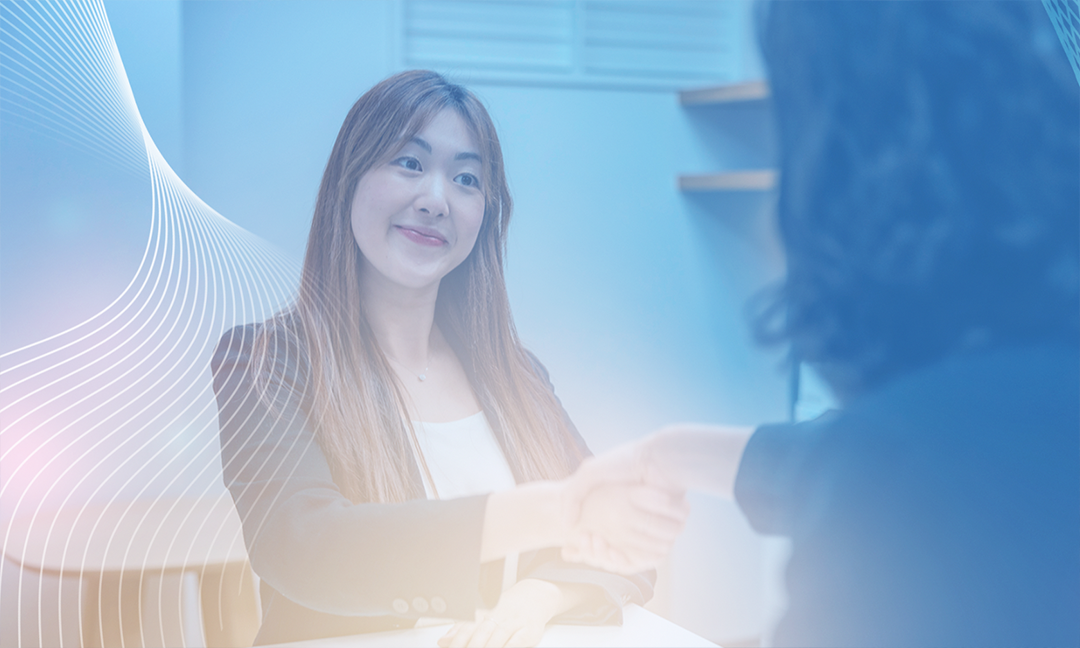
[{"x": 635, "y": 246}]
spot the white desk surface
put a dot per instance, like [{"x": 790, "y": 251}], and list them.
[{"x": 640, "y": 629}]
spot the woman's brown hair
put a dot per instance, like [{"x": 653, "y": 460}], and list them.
[{"x": 353, "y": 401}]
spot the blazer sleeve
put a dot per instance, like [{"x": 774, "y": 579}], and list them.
[
  {"x": 304, "y": 537},
  {"x": 768, "y": 485},
  {"x": 609, "y": 592}
]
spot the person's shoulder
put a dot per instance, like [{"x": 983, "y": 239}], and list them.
[
  {"x": 234, "y": 345},
  {"x": 280, "y": 335}
]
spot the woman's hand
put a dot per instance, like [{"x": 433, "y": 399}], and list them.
[
  {"x": 626, "y": 506},
  {"x": 518, "y": 619},
  {"x": 627, "y": 528},
  {"x": 625, "y": 513}
]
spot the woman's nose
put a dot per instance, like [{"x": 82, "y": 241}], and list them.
[{"x": 431, "y": 199}]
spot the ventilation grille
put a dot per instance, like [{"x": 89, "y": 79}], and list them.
[{"x": 658, "y": 43}]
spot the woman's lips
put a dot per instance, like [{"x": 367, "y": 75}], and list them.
[{"x": 422, "y": 235}]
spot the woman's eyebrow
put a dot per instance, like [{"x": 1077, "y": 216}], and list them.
[
  {"x": 464, "y": 155},
  {"x": 421, "y": 143}
]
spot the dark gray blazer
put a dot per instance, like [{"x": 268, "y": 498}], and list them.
[{"x": 330, "y": 567}]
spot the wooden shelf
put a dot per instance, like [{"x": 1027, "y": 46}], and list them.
[
  {"x": 729, "y": 181},
  {"x": 756, "y": 180},
  {"x": 724, "y": 94}
]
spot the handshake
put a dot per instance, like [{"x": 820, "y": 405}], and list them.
[
  {"x": 620, "y": 511},
  {"x": 625, "y": 508}
]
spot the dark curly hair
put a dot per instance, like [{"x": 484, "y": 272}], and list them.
[{"x": 930, "y": 183}]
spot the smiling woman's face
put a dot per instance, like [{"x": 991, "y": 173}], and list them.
[{"x": 416, "y": 216}]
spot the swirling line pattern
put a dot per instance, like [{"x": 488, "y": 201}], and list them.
[
  {"x": 1065, "y": 15},
  {"x": 118, "y": 409}
]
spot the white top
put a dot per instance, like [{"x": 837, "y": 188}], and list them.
[{"x": 465, "y": 459}]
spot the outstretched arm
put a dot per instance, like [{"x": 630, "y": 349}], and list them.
[
  {"x": 678, "y": 457},
  {"x": 532, "y": 516},
  {"x": 630, "y": 500},
  {"x": 698, "y": 457}
]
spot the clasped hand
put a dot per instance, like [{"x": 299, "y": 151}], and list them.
[
  {"x": 625, "y": 513},
  {"x": 620, "y": 513}
]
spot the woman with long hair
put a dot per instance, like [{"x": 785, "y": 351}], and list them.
[{"x": 391, "y": 447}]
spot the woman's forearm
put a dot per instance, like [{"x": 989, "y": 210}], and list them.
[
  {"x": 549, "y": 599},
  {"x": 531, "y": 516}
]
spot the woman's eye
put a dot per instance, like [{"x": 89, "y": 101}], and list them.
[
  {"x": 468, "y": 180},
  {"x": 408, "y": 162}
]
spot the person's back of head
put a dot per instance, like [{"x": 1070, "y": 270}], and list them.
[{"x": 930, "y": 182}]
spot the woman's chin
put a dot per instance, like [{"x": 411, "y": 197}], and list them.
[
  {"x": 419, "y": 280},
  {"x": 419, "y": 276}
]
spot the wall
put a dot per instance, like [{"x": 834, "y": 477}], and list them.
[{"x": 632, "y": 294}]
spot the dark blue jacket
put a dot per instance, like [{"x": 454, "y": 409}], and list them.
[{"x": 943, "y": 509}]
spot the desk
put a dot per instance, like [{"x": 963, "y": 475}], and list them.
[
  {"x": 137, "y": 572},
  {"x": 640, "y": 628}
]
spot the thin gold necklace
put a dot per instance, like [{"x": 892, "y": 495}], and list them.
[{"x": 419, "y": 376}]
